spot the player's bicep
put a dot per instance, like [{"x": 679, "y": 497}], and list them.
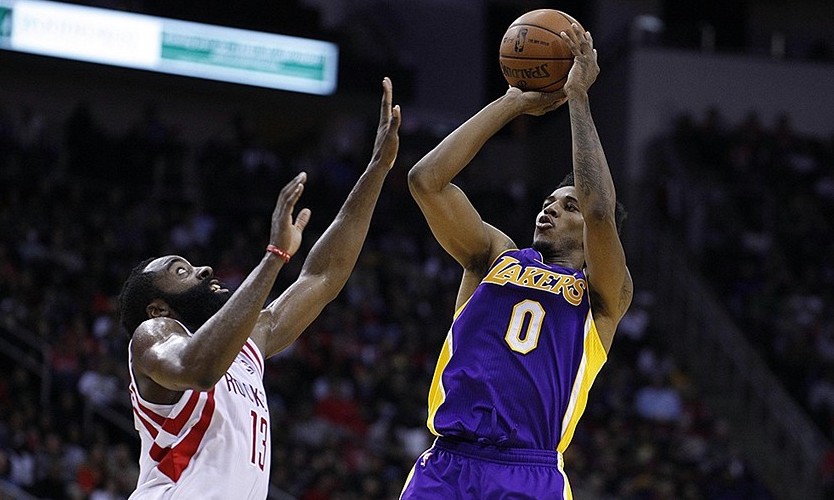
[
  {"x": 607, "y": 272},
  {"x": 458, "y": 226}
]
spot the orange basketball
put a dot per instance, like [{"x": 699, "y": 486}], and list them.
[{"x": 532, "y": 55}]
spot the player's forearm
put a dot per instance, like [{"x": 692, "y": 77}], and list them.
[
  {"x": 443, "y": 163},
  {"x": 327, "y": 267},
  {"x": 215, "y": 345},
  {"x": 334, "y": 255},
  {"x": 594, "y": 184}
]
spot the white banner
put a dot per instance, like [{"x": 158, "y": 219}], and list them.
[{"x": 169, "y": 46}]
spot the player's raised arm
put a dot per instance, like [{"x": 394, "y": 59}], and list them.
[
  {"x": 333, "y": 257},
  {"x": 161, "y": 348},
  {"x": 453, "y": 220},
  {"x": 610, "y": 282}
]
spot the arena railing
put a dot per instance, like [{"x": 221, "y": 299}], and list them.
[{"x": 33, "y": 353}]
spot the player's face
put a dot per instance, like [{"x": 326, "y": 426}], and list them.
[
  {"x": 192, "y": 292},
  {"x": 560, "y": 222}
]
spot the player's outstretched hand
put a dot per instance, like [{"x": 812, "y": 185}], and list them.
[
  {"x": 585, "y": 69},
  {"x": 285, "y": 233},
  {"x": 387, "y": 141},
  {"x": 535, "y": 103}
]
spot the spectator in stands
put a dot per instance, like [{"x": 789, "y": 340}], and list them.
[{"x": 659, "y": 401}]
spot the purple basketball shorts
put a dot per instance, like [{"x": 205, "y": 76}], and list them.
[{"x": 462, "y": 470}]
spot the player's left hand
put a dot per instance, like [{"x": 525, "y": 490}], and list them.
[
  {"x": 585, "y": 69},
  {"x": 535, "y": 103},
  {"x": 387, "y": 141},
  {"x": 286, "y": 234}
]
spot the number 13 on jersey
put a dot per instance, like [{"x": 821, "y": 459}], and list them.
[{"x": 260, "y": 434}]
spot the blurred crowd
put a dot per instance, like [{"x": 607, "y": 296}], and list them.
[
  {"x": 755, "y": 202},
  {"x": 80, "y": 205}
]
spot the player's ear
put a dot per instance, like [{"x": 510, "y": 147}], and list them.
[{"x": 158, "y": 308}]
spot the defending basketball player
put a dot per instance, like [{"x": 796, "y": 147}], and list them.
[
  {"x": 197, "y": 351},
  {"x": 532, "y": 327}
]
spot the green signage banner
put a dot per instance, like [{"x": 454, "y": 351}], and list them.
[
  {"x": 171, "y": 46},
  {"x": 245, "y": 56}
]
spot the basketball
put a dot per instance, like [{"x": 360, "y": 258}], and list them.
[{"x": 532, "y": 55}]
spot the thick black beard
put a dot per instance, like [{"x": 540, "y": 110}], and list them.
[{"x": 195, "y": 306}]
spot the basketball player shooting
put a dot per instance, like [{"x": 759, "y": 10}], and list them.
[
  {"x": 533, "y": 326},
  {"x": 197, "y": 351}
]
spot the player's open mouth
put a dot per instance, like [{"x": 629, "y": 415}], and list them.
[
  {"x": 215, "y": 287},
  {"x": 543, "y": 223}
]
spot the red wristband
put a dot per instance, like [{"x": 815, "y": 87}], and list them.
[{"x": 280, "y": 253}]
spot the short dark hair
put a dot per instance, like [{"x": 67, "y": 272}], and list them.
[
  {"x": 620, "y": 213},
  {"x": 137, "y": 292}
]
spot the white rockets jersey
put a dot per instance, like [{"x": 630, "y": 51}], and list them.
[{"x": 209, "y": 445}]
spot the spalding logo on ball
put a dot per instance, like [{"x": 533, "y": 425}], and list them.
[{"x": 532, "y": 55}]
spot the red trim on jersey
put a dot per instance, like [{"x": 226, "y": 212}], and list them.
[
  {"x": 253, "y": 356},
  {"x": 151, "y": 429},
  {"x": 249, "y": 357},
  {"x": 156, "y": 417},
  {"x": 172, "y": 461},
  {"x": 173, "y": 425}
]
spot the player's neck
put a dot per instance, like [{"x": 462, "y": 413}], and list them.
[{"x": 572, "y": 259}]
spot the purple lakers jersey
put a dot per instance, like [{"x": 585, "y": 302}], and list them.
[{"x": 519, "y": 359}]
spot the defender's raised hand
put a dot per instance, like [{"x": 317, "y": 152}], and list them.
[
  {"x": 387, "y": 141},
  {"x": 585, "y": 69},
  {"x": 286, "y": 234}
]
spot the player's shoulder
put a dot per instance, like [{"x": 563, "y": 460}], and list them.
[
  {"x": 156, "y": 330},
  {"x": 524, "y": 255},
  {"x": 499, "y": 244}
]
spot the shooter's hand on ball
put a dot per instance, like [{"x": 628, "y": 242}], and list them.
[
  {"x": 585, "y": 68},
  {"x": 535, "y": 103}
]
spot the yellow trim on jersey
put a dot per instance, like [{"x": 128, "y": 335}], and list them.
[
  {"x": 408, "y": 479},
  {"x": 593, "y": 357},
  {"x": 437, "y": 394},
  {"x": 567, "y": 493},
  {"x": 460, "y": 310}
]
